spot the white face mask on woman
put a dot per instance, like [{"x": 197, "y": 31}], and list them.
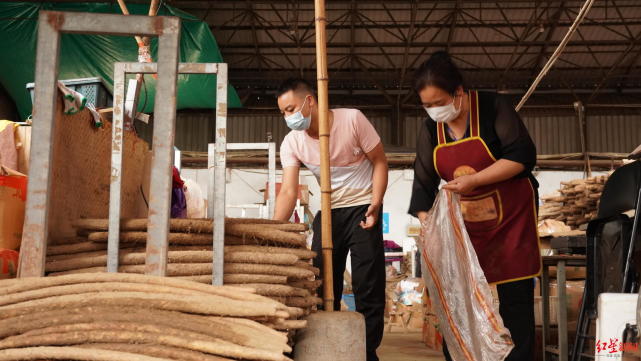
[{"x": 445, "y": 113}]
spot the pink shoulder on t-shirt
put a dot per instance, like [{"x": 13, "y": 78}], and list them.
[
  {"x": 288, "y": 151},
  {"x": 367, "y": 136}
]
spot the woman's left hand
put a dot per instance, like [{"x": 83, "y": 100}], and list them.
[{"x": 462, "y": 185}]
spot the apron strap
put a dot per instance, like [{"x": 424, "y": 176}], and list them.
[
  {"x": 440, "y": 132},
  {"x": 474, "y": 114}
]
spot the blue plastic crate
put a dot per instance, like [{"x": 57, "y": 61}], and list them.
[{"x": 92, "y": 88}]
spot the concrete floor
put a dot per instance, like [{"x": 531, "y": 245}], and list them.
[{"x": 398, "y": 346}]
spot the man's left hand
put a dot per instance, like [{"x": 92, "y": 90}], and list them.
[
  {"x": 462, "y": 185},
  {"x": 371, "y": 216}
]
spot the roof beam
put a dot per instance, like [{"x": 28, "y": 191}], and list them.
[
  {"x": 252, "y": 21},
  {"x": 425, "y": 47},
  {"x": 450, "y": 34},
  {"x": 525, "y": 35},
  {"x": 548, "y": 38},
  {"x": 587, "y": 21},
  {"x": 200, "y": 5},
  {"x": 487, "y": 54},
  {"x": 297, "y": 36},
  {"x": 524, "y": 72},
  {"x": 435, "y": 44},
  {"x": 368, "y": 26},
  {"x": 625, "y": 24},
  {"x": 633, "y": 62},
  {"x": 376, "y": 83},
  {"x": 400, "y": 51},
  {"x": 425, "y": 25},
  {"x": 590, "y": 51},
  {"x": 242, "y": 19},
  {"x": 382, "y": 49},
  {"x": 494, "y": 26},
  {"x": 507, "y": 21},
  {"x": 353, "y": 15},
  {"x": 396, "y": 23},
  {"x": 619, "y": 61},
  {"x": 408, "y": 41}
]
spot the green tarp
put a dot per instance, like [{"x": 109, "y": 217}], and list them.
[{"x": 83, "y": 56}]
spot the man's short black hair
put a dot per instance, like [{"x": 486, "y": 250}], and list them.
[{"x": 295, "y": 84}]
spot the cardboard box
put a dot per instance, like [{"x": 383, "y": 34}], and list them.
[
  {"x": 538, "y": 310},
  {"x": 303, "y": 193},
  {"x": 13, "y": 194},
  {"x": 574, "y": 291},
  {"x": 413, "y": 315},
  {"x": 431, "y": 336}
]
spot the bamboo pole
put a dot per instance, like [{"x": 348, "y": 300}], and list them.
[
  {"x": 153, "y": 7},
  {"x": 143, "y": 46},
  {"x": 125, "y": 11},
  {"x": 326, "y": 185}
]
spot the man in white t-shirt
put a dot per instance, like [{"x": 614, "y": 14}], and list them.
[{"x": 359, "y": 180}]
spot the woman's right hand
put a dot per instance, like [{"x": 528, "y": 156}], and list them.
[{"x": 422, "y": 217}]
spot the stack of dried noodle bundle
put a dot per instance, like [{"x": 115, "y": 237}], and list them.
[
  {"x": 117, "y": 316},
  {"x": 267, "y": 256},
  {"x": 576, "y": 203}
]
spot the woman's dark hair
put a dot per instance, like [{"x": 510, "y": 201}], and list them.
[{"x": 440, "y": 71}]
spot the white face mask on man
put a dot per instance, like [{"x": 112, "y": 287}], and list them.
[
  {"x": 297, "y": 121},
  {"x": 445, "y": 113}
]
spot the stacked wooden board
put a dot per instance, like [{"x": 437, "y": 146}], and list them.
[
  {"x": 576, "y": 202},
  {"x": 116, "y": 316},
  {"x": 269, "y": 257}
]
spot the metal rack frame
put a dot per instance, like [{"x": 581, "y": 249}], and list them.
[
  {"x": 51, "y": 24},
  {"x": 271, "y": 166},
  {"x": 157, "y": 244},
  {"x": 216, "y": 194}
]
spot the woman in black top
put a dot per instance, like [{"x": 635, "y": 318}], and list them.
[{"x": 477, "y": 143}]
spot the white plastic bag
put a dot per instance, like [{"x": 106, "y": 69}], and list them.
[
  {"x": 469, "y": 319},
  {"x": 194, "y": 198}
]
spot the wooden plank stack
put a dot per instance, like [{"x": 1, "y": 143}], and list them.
[
  {"x": 117, "y": 316},
  {"x": 576, "y": 202},
  {"x": 268, "y": 257}
]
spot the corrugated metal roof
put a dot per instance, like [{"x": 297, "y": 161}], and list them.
[
  {"x": 552, "y": 133},
  {"x": 491, "y": 23},
  {"x": 614, "y": 133}
]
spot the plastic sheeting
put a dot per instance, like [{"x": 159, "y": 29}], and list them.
[
  {"x": 83, "y": 56},
  {"x": 469, "y": 319}
]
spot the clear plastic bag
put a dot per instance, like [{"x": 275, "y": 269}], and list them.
[{"x": 468, "y": 317}]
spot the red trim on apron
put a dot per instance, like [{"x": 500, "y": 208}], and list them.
[
  {"x": 440, "y": 131},
  {"x": 474, "y": 114},
  {"x": 500, "y": 218}
]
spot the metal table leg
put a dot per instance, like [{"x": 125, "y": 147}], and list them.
[
  {"x": 271, "y": 188},
  {"x": 545, "y": 308},
  {"x": 562, "y": 311}
]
